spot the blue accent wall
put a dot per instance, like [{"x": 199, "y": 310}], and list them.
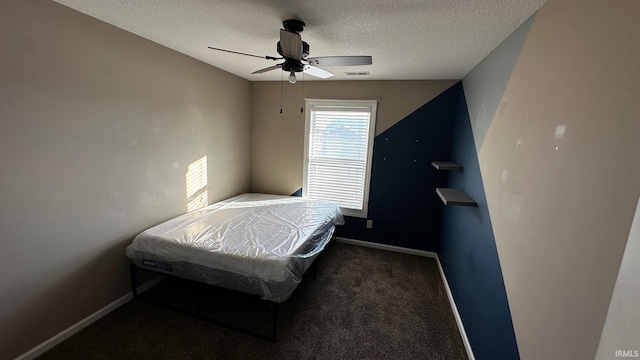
[
  {"x": 469, "y": 256},
  {"x": 402, "y": 202},
  {"x": 406, "y": 212}
]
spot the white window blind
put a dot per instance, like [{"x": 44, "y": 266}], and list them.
[{"x": 338, "y": 146}]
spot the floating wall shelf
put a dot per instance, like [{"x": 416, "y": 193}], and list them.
[
  {"x": 455, "y": 197},
  {"x": 446, "y": 165}
]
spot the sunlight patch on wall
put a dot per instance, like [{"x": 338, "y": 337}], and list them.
[{"x": 196, "y": 179}]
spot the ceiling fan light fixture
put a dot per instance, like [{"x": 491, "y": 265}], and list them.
[{"x": 292, "y": 77}]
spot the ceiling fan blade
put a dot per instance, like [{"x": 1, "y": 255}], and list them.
[
  {"x": 340, "y": 60},
  {"x": 241, "y": 53},
  {"x": 291, "y": 45},
  {"x": 317, "y": 72},
  {"x": 267, "y": 69}
]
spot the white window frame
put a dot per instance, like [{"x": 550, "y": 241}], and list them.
[{"x": 310, "y": 104}]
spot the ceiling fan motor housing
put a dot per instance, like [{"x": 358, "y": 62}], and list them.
[
  {"x": 293, "y": 26},
  {"x": 290, "y": 65}
]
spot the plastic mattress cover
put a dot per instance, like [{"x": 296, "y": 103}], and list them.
[{"x": 260, "y": 239}]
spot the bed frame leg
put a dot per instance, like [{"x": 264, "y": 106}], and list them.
[
  {"x": 314, "y": 271},
  {"x": 134, "y": 282},
  {"x": 197, "y": 299},
  {"x": 274, "y": 307}
]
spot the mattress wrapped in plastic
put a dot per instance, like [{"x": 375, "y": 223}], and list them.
[{"x": 255, "y": 243}]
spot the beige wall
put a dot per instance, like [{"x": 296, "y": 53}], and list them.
[
  {"x": 277, "y": 140},
  {"x": 97, "y": 129},
  {"x": 561, "y": 174}
]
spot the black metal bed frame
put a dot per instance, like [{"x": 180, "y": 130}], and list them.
[{"x": 199, "y": 287}]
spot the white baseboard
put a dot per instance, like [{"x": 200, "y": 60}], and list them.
[
  {"x": 75, "y": 328},
  {"x": 399, "y": 249},
  {"x": 456, "y": 314},
  {"x": 429, "y": 254}
]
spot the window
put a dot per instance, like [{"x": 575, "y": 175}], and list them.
[{"x": 338, "y": 148}]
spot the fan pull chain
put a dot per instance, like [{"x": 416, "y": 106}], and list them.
[
  {"x": 302, "y": 95},
  {"x": 280, "y": 92}
]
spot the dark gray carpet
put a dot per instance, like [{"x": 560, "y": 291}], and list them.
[{"x": 363, "y": 304}]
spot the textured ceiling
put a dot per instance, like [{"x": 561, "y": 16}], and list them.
[{"x": 408, "y": 39}]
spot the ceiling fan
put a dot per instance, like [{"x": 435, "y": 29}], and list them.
[{"x": 294, "y": 52}]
